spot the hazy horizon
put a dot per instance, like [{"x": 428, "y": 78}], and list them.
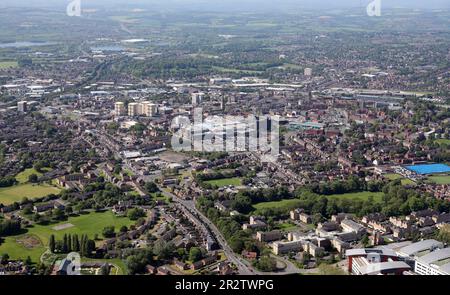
[{"x": 226, "y": 5}]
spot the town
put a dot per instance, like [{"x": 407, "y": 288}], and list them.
[{"x": 356, "y": 179}]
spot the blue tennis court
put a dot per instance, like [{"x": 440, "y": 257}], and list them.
[{"x": 429, "y": 168}]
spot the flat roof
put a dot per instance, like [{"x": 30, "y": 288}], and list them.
[
  {"x": 435, "y": 256},
  {"x": 363, "y": 251},
  {"x": 375, "y": 268},
  {"x": 419, "y": 247}
]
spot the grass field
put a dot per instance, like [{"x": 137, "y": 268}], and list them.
[
  {"x": 8, "y": 64},
  {"x": 22, "y": 177},
  {"x": 358, "y": 196},
  {"x": 405, "y": 181},
  {"x": 236, "y": 181},
  {"x": 444, "y": 179},
  {"x": 39, "y": 235},
  {"x": 276, "y": 204},
  {"x": 291, "y": 203},
  {"x": 9, "y": 195},
  {"x": 443, "y": 141}
]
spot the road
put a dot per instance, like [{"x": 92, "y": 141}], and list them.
[{"x": 243, "y": 269}]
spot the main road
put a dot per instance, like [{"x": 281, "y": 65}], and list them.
[{"x": 243, "y": 269}]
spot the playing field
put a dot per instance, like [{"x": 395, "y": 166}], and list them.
[
  {"x": 277, "y": 204},
  {"x": 291, "y": 203},
  {"x": 89, "y": 224},
  {"x": 9, "y": 195},
  {"x": 235, "y": 181},
  {"x": 22, "y": 177},
  {"x": 444, "y": 179},
  {"x": 443, "y": 141},
  {"x": 358, "y": 196},
  {"x": 405, "y": 181}
]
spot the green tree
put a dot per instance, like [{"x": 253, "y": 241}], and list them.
[
  {"x": 52, "y": 244},
  {"x": 195, "y": 254}
]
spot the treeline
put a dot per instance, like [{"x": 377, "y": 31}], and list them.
[
  {"x": 9, "y": 227},
  {"x": 7, "y": 181},
  {"x": 216, "y": 175},
  {"x": 244, "y": 200},
  {"x": 351, "y": 185},
  {"x": 70, "y": 243}
]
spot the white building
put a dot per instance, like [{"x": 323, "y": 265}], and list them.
[
  {"x": 22, "y": 106},
  {"x": 308, "y": 72},
  {"x": 279, "y": 248},
  {"x": 434, "y": 263},
  {"x": 119, "y": 109}
]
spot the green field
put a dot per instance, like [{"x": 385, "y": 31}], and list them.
[
  {"x": 22, "y": 177},
  {"x": 9, "y": 195},
  {"x": 377, "y": 197},
  {"x": 443, "y": 179},
  {"x": 236, "y": 181},
  {"x": 36, "y": 238},
  {"x": 443, "y": 141},
  {"x": 292, "y": 203},
  {"x": 8, "y": 64},
  {"x": 405, "y": 181},
  {"x": 277, "y": 204}
]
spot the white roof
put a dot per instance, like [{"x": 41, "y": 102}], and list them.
[
  {"x": 362, "y": 251},
  {"x": 376, "y": 268},
  {"x": 419, "y": 247}
]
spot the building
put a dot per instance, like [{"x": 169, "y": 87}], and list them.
[
  {"x": 134, "y": 109},
  {"x": 419, "y": 249},
  {"x": 434, "y": 263},
  {"x": 349, "y": 225},
  {"x": 269, "y": 236},
  {"x": 280, "y": 248},
  {"x": 119, "y": 109},
  {"x": 22, "y": 106},
  {"x": 197, "y": 98},
  {"x": 308, "y": 72},
  {"x": 149, "y": 109},
  {"x": 375, "y": 262}
]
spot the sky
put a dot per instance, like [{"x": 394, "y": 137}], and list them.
[{"x": 232, "y": 5}]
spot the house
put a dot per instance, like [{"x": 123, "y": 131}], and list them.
[
  {"x": 225, "y": 269},
  {"x": 162, "y": 271},
  {"x": 43, "y": 207},
  {"x": 305, "y": 218},
  {"x": 150, "y": 269},
  {"x": 180, "y": 265},
  {"x": 269, "y": 236}
]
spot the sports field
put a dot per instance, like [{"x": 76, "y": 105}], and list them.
[
  {"x": 22, "y": 177},
  {"x": 444, "y": 179},
  {"x": 291, "y": 203},
  {"x": 34, "y": 242},
  {"x": 235, "y": 181},
  {"x": 16, "y": 193}
]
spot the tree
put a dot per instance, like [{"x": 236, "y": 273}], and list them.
[
  {"x": 109, "y": 232},
  {"x": 123, "y": 229},
  {"x": 151, "y": 187},
  {"x": 136, "y": 213},
  {"x": 195, "y": 254},
  {"x": 28, "y": 261},
  {"x": 33, "y": 178},
  {"x": 52, "y": 244},
  {"x": 4, "y": 259}
]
